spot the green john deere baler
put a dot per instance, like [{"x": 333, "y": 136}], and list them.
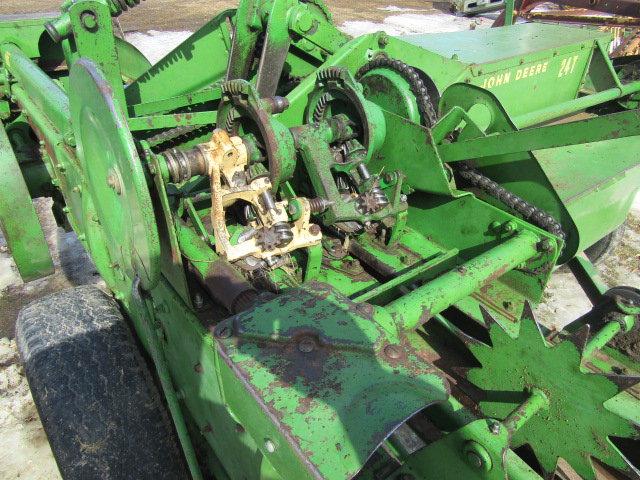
[{"x": 322, "y": 254}]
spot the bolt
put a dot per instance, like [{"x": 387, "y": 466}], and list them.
[
  {"x": 628, "y": 302},
  {"x": 198, "y": 368},
  {"x": 76, "y": 189},
  {"x": 70, "y": 138},
  {"x": 304, "y": 21},
  {"x": 152, "y": 169},
  {"x": 403, "y": 198},
  {"x": 314, "y": 229},
  {"x": 306, "y": 45},
  {"x": 510, "y": 226},
  {"x": 89, "y": 20},
  {"x": 494, "y": 428},
  {"x": 545, "y": 245},
  {"x": 223, "y": 332},
  {"x": 306, "y": 345},
  {"x": 474, "y": 459},
  {"x": 269, "y": 446},
  {"x": 383, "y": 40},
  {"x": 392, "y": 351},
  {"x": 198, "y": 301}
]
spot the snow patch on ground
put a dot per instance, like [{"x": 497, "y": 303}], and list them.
[
  {"x": 155, "y": 44},
  {"x": 72, "y": 263},
  {"x": 394, "y": 8},
  {"x": 24, "y": 450},
  {"x": 414, "y": 23}
]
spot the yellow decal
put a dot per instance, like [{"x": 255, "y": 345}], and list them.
[
  {"x": 503, "y": 78},
  {"x": 567, "y": 66}
]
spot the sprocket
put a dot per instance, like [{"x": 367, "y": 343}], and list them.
[{"x": 577, "y": 425}]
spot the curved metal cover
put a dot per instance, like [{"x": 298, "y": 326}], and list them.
[{"x": 317, "y": 375}]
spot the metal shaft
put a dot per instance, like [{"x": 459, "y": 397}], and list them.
[
  {"x": 418, "y": 306},
  {"x": 516, "y": 419}
]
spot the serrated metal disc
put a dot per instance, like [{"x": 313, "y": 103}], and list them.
[{"x": 113, "y": 174}]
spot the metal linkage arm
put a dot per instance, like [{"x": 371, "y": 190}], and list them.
[{"x": 606, "y": 127}]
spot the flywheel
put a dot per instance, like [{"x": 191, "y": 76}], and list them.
[{"x": 113, "y": 175}]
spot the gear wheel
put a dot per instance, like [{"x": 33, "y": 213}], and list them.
[
  {"x": 277, "y": 236},
  {"x": 579, "y": 423}
]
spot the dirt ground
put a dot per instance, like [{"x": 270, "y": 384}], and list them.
[
  {"x": 190, "y": 14},
  {"x": 24, "y": 451}
]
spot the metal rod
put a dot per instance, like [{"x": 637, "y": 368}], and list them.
[
  {"x": 606, "y": 334},
  {"x": 508, "y": 12},
  {"x": 403, "y": 279},
  {"x": 418, "y": 306},
  {"x": 574, "y": 106},
  {"x": 527, "y": 409},
  {"x": 588, "y": 277}
]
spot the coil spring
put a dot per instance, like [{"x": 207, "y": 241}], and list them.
[
  {"x": 119, "y": 6},
  {"x": 380, "y": 198},
  {"x": 283, "y": 233},
  {"x": 318, "y": 205},
  {"x": 234, "y": 87},
  {"x": 229, "y": 122}
]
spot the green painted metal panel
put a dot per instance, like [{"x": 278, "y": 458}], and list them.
[
  {"x": 492, "y": 45},
  {"x": 597, "y": 182},
  {"x": 18, "y": 219}
]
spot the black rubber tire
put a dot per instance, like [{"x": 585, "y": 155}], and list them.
[
  {"x": 599, "y": 251},
  {"x": 95, "y": 395}
]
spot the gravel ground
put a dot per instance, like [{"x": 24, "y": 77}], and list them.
[{"x": 156, "y": 27}]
